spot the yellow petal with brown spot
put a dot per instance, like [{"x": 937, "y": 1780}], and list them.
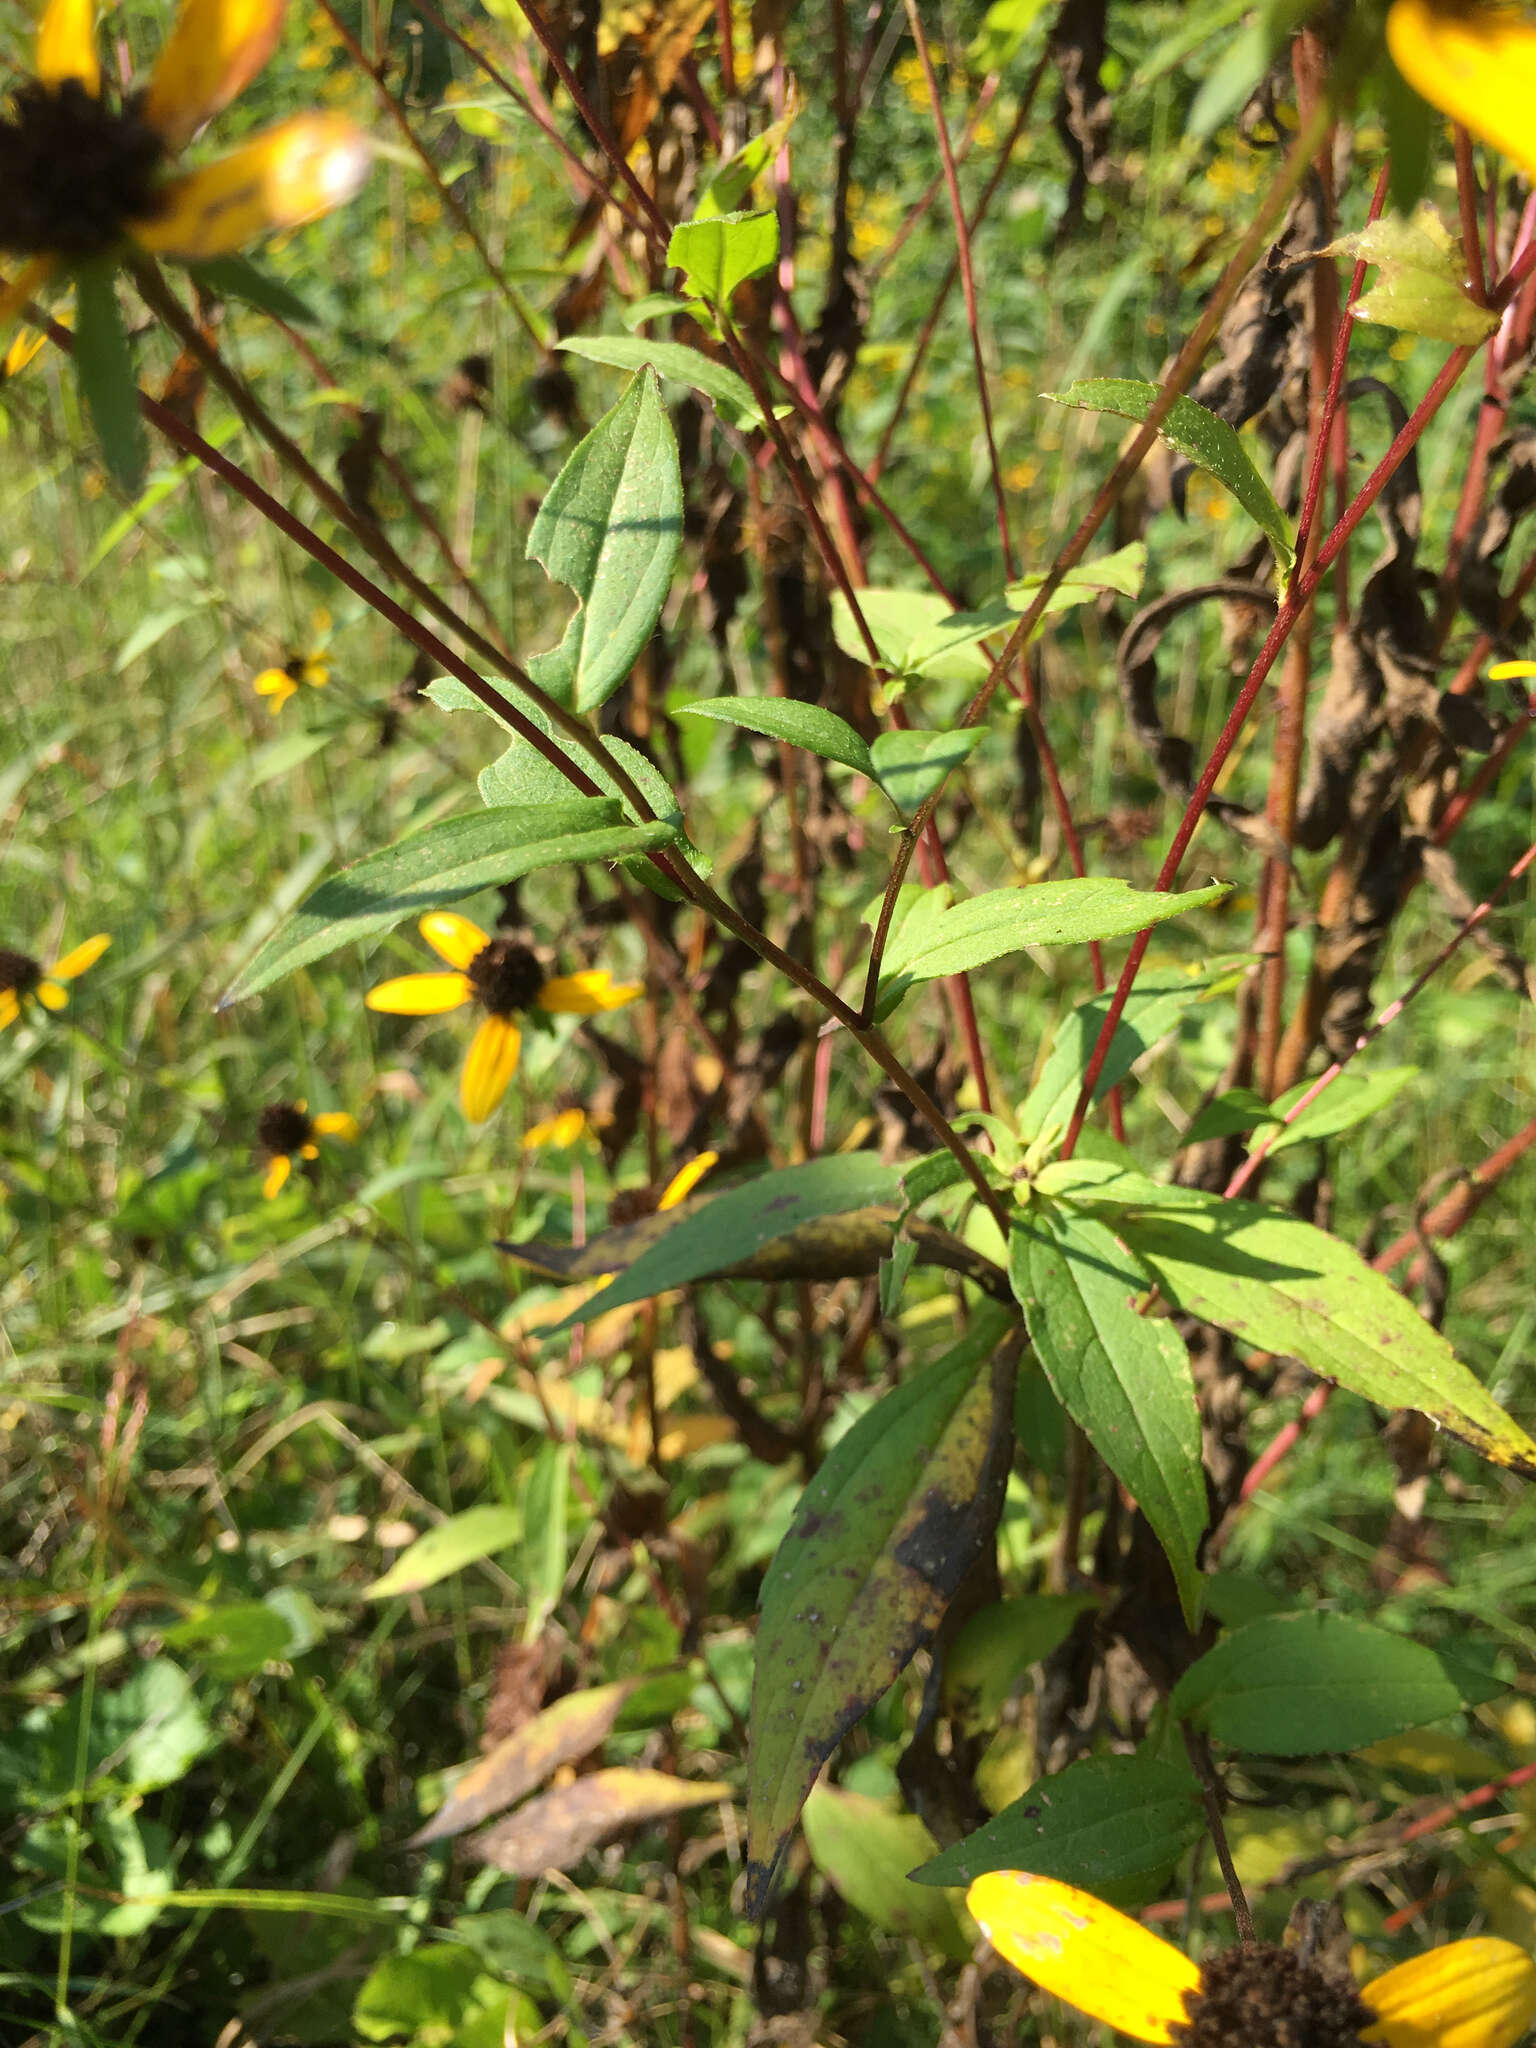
[
  {"x": 287, "y": 175},
  {"x": 1086, "y": 1953},
  {"x": 214, "y": 51},
  {"x": 1468, "y": 1994},
  {"x": 491, "y": 1063}
]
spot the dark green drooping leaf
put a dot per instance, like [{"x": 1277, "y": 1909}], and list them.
[
  {"x": 865, "y": 1849},
  {"x": 610, "y": 528},
  {"x": 718, "y": 254},
  {"x": 673, "y": 359},
  {"x": 950, "y": 940},
  {"x": 1124, "y": 1378},
  {"x": 237, "y": 277},
  {"x": 881, "y": 1538},
  {"x": 440, "y": 865},
  {"x": 785, "y": 718},
  {"x": 912, "y": 765},
  {"x": 1306, "y": 1684},
  {"x": 723, "y": 1231},
  {"x": 1112, "y": 1825},
  {"x": 104, "y": 371},
  {"x": 1202, "y": 438}
]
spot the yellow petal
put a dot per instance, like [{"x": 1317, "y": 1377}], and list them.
[
  {"x": 51, "y": 996},
  {"x": 453, "y": 938},
  {"x": 277, "y": 684},
  {"x": 10, "y": 1007},
  {"x": 281, "y": 178},
  {"x": 419, "y": 995},
  {"x": 585, "y": 995},
  {"x": 490, "y": 1066},
  {"x": 21, "y": 352},
  {"x": 1080, "y": 1950},
  {"x": 66, "y": 45},
  {"x": 1469, "y": 1994},
  {"x": 1475, "y": 63},
  {"x": 214, "y": 51},
  {"x": 682, "y": 1184},
  {"x": 1507, "y": 671},
  {"x": 316, "y": 673},
  {"x": 561, "y": 1131},
  {"x": 277, "y": 1174},
  {"x": 78, "y": 958},
  {"x": 336, "y": 1123},
  {"x": 30, "y": 278}
]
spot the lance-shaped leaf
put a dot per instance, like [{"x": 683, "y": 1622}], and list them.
[
  {"x": 555, "y": 1831},
  {"x": 864, "y": 1849},
  {"x": 441, "y": 864},
  {"x": 785, "y": 718},
  {"x": 1287, "y": 1287},
  {"x": 723, "y": 1231},
  {"x": 882, "y": 1536},
  {"x": 1201, "y": 437},
  {"x": 934, "y": 941},
  {"x": 572, "y": 1728},
  {"x": 610, "y": 528},
  {"x": 675, "y": 360},
  {"x": 1124, "y": 1378},
  {"x": 104, "y": 371},
  {"x": 1306, "y": 1684},
  {"x": 1112, "y": 1825},
  {"x": 459, "y": 1541}
]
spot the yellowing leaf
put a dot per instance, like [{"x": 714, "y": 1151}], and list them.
[{"x": 1421, "y": 286}]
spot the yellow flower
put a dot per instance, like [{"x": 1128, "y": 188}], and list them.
[
  {"x": 505, "y": 978},
  {"x": 686, "y": 1179},
  {"x": 1469, "y": 1994},
  {"x": 82, "y": 168},
  {"x": 281, "y": 683},
  {"x": 22, "y": 977},
  {"x": 1475, "y": 62},
  {"x": 287, "y": 1132},
  {"x": 1511, "y": 671},
  {"x": 559, "y": 1132}
]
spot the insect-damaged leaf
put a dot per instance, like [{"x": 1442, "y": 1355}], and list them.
[
  {"x": 881, "y": 1538},
  {"x": 556, "y": 1831},
  {"x": 572, "y": 1728},
  {"x": 610, "y": 528}
]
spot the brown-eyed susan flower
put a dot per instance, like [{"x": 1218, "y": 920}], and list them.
[
  {"x": 23, "y": 979},
  {"x": 505, "y": 978},
  {"x": 1469, "y": 1994},
  {"x": 83, "y": 168},
  {"x": 286, "y": 1131},
  {"x": 1476, "y": 61},
  {"x": 279, "y": 684}
]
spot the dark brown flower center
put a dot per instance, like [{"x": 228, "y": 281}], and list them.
[
  {"x": 505, "y": 976},
  {"x": 1266, "y": 1997},
  {"x": 284, "y": 1129},
  {"x": 19, "y": 973},
  {"x": 74, "y": 171}
]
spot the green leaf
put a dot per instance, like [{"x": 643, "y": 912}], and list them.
[
  {"x": 1349, "y": 1100},
  {"x": 104, "y": 372},
  {"x": 722, "y": 252},
  {"x": 728, "y": 1229},
  {"x": 1001, "y": 36},
  {"x": 1124, "y": 1378},
  {"x": 734, "y": 179},
  {"x": 439, "y": 865},
  {"x": 1287, "y": 1287},
  {"x": 1112, "y": 1825},
  {"x": 1230, "y": 81},
  {"x": 675, "y": 360},
  {"x": 609, "y": 528},
  {"x": 462, "y": 1540},
  {"x": 1206, "y": 440},
  {"x": 865, "y": 1850},
  {"x": 992, "y": 1651},
  {"x": 785, "y": 718},
  {"x": 237, "y": 277},
  {"x": 234, "y": 1640},
  {"x": 1306, "y": 1684},
  {"x": 969, "y": 934},
  {"x": 908, "y": 628},
  {"x": 911, "y": 765},
  {"x": 439, "y": 1993},
  {"x": 144, "y": 1734},
  {"x": 1237, "y": 1109},
  {"x": 1411, "y": 125},
  {"x": 1420, "y": 287},
  {"x": 1121, "y": 573},
  {"x": 1154, "y": 1006},
  {"x": 883, "y": 1534}
]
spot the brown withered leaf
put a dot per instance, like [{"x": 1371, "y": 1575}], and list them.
[
  {"x": 572, "y": 1728},
  {"x": 555, "y": 1831}
]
